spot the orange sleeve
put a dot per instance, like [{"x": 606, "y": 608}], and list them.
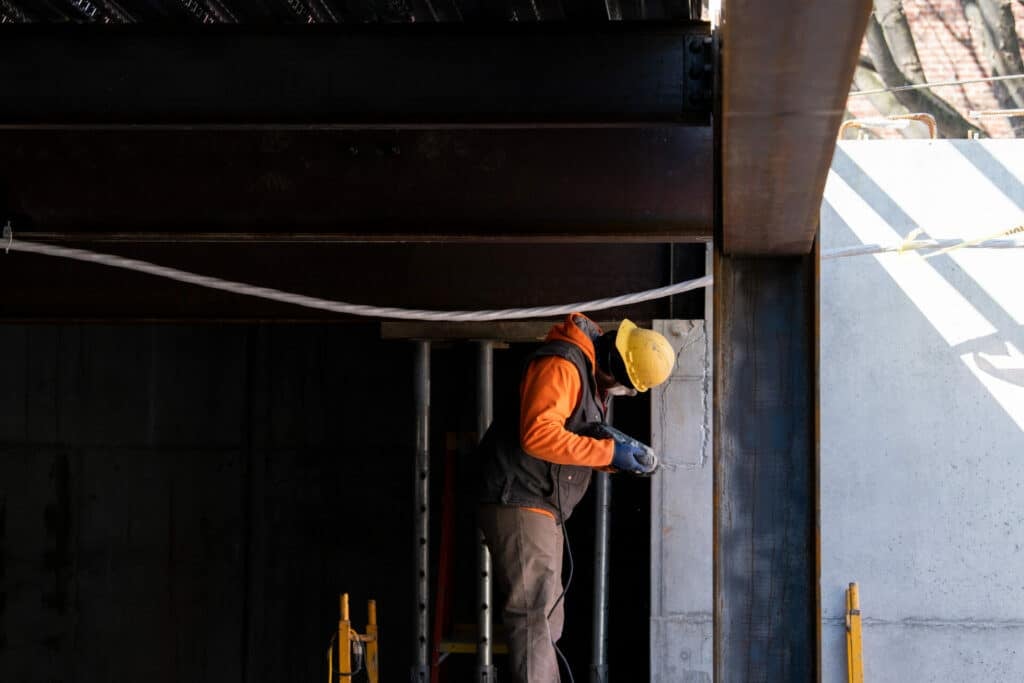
[{"x": 551, "y": 387}]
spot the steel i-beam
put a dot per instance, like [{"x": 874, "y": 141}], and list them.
[
  {"x": 766, "y": 569},
  {"x": 356, "y": 74}
]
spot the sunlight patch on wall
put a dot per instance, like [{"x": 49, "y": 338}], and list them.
[
  {"x": 945, "y": 308},
  {"x": 951, "y": 191},
  {"x": 945, "y": 191}
]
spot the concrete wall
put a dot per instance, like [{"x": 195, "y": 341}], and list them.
[
  {"x": 922, "y": 430},
  {"x": 922, "y": 414},
  {"x": 177, "y": 502}
]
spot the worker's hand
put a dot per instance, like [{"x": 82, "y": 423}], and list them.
[
  {"x": 630, "y": 455},
  {"x": 634, "y": 457}
]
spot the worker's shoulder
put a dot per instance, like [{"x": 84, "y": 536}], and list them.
[
  {"x": 553, "y": 368},
  {"x": 558, "y": 348},
  {"x": 551, "y": 362}
]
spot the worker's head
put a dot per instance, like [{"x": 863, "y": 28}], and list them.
[{"x": 634, "y": 357}]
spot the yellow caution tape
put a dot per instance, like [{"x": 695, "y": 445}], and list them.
[
  {"x": 967, "y": 243},
  {"x": 908, "y": 241}
]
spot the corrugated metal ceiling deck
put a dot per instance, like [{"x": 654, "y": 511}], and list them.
[{"x": 336, "y": 11}]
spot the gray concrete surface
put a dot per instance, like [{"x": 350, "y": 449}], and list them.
[
  {"x": 922, "y": 411},
  {"x": 681, "y": 645}
]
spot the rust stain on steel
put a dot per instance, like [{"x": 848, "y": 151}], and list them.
[{"x": 782, "y": 101}]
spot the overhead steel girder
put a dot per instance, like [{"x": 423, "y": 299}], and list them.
[
  {"x": 392, "y": 74},
  {"x": 649, "y": 184},
  {"x": 384, "y": 133},
  {"x": 786, "y": 69},
  {"x": 542, "y": 132}
]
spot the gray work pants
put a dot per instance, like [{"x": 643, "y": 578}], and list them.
[{"x": 526, "y": 560}]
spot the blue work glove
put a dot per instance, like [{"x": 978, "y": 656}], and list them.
[
  {"x": 634, "y": 457},
  {"x": 630, "y": 455}
]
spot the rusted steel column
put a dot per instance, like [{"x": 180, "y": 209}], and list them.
[{"x": 766, "y": 596}]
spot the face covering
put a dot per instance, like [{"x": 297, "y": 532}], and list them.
[{"x": 609, "y": 360}]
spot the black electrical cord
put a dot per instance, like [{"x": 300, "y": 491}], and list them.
[
  {"x": 568, "y": 551},
  {"x": 358, "y": 658}
]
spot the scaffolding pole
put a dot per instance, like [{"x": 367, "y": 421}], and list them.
[
  {"x": 485, "y": 620},
  {"x": 599, "y": 635},
  {"x": 421, "y": 493},
  {"x": 602, "y": 518}
]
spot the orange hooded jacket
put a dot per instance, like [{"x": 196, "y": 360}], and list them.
[{"x": 548, "y": 395}]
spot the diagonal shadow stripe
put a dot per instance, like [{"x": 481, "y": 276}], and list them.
[
  {"x": 1001, "y": 177},
  {"x": 880, "y": 200}
]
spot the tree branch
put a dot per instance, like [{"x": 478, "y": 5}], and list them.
[
  {"x": 995, "y": 35},
  {"x": 951, "y": 123},
  {"x": 892, "y": 19}
]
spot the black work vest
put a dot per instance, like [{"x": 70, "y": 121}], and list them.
[{"x": 510, "y": 476}]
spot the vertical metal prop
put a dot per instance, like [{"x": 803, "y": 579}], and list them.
[
  {"x": 344, "y": 641},
  {"x": 602, "y": 517},
  {"x": 372, "y": 644},
  {"x": 599, "y": 636},
  {"x": 599, "y": 666},
  {"x": 766, "y": 599},
  {"x": 854, "y": 643},
  {"x": 485, "y": 619},
  {"x": 421, "y": 535}
]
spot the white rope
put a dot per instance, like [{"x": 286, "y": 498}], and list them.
[
  {"x": 346, "y": 308},
  {"x": 916, "y": 245}
]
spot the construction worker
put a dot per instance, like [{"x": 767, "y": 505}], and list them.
[{"x": 536, "y": 465}]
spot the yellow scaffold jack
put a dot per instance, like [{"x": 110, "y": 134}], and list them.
[
  {"x": 350, "y": 652},
  {"x": 854, "y": 655}
]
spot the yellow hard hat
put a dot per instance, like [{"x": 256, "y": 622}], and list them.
[{"x": 648, "y": 356}]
